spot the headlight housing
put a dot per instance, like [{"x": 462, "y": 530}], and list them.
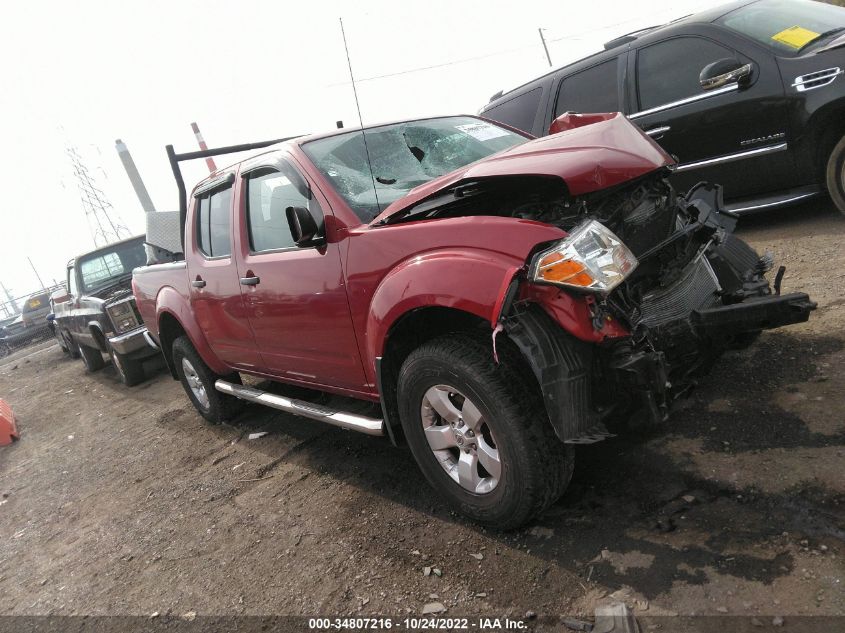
[
  {"x": 591, "y": 258},
  {"x": 123, "y": 317}
]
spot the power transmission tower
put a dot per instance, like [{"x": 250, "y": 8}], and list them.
[{"x": 105, "y": 224}]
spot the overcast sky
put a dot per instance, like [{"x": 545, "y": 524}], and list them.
[{"x": 86, "y": 73}]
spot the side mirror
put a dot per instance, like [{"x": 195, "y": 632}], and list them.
[
  {"x": 303, "y": 227},
  {"x": 723, "y": 72}
]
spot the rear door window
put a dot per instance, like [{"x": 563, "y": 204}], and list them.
[
  {"x": 668, "y": 71},
  {"x": 518, "y": 112},
  {"x": 213, "y": 223},
  {"x": 593, "y": 90}
]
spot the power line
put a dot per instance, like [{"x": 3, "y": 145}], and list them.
[{"x": 569, "y": 36}]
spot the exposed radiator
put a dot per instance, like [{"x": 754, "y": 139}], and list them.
[{"x": 697, "y": 288}]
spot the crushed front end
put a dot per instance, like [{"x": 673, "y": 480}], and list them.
[
  {"x": 698, "y": 291},
  {"x": 681, "y": 290}
]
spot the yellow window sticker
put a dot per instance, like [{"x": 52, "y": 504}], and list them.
[{"x": 795, "y": 36}]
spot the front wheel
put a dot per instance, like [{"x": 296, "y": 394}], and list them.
[
  {"x": 835, "y": 175},
  {"x": 198, "y": 381},
  {"x": 129, "y": 370},
  {"x": 479, "y": 432},
  {"x": 91, "y": 358}
]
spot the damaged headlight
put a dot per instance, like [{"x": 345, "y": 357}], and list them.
[
  {"x": 590, "y": 258},
  {"x": 123, "y": 316}
]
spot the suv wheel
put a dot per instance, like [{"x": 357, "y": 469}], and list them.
[
  {"x": 91, "y": 358},
  {"x": 129, "y": 370},
  {"x": 836, "y": 175},
  {"x": 198, "y": 381},
  {"x": 479, "y": 432}
]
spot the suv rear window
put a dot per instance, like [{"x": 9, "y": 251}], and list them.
[
  {"x": 518, "y": 112},
  {"x": 591, "y": 90},
  {"x": 786, "y": 26}
]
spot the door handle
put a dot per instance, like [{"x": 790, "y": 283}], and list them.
[
  {"x": 250, "y": 281},
  {"x": 198, "y": 283},
  {"x": 657, "y": 132}
]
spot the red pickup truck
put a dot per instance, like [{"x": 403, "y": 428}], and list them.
[{"x": 501, "y": 298}]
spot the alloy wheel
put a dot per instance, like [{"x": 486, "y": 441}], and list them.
[
  {"x": 195, "y": 383},
  {"x": 461, "y": 439}
]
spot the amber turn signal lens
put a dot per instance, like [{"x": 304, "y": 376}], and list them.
[
  {"x": 590, "y": 258},
  {"x": 554, "y": 268}
]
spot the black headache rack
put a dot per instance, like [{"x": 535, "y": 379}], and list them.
[{"x": 175, "y": 159}]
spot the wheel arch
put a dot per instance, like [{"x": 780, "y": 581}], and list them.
[
  {"x": 95, "y": 329},
  {"x": 826, "y": 128},
  {"x": 174, "y": 318}
]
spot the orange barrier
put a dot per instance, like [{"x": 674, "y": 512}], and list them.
[{"x": 8, "y": 429}]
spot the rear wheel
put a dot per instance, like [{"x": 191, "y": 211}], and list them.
[
  {"x": 479, "y": 432},
  {"x": 198, "y": 381},
  {"x": 91, "y": 358},
  {"x": 129, "y": 370},
  {"x": 835, "y": 175},
  {"x": 72, "y": 348}
]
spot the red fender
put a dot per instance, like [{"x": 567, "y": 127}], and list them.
[
  {"x": 467, "y": 280},
  {"x": 169, "y": 301}
]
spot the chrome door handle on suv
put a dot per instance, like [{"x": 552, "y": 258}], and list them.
[
  {"x": 250, "y": 281},
  {"x": 657, "y": 132}
]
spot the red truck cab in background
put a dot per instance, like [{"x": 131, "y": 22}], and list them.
[{"x": 501, "y": 298}]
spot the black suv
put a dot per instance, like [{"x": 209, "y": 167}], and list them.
[{"x": 749, "y": 95}]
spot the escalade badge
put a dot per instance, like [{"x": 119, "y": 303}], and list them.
[{"x": 763, "y": 139}]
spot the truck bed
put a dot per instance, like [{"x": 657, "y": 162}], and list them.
[{"x": 150, "y": 281}]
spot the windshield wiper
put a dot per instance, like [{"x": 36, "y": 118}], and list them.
[{"x": 822, "y": 36}]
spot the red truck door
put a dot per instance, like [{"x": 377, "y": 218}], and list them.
[
  {"x": 213, "y": 278},
  {"x": 295, "y": 296}
]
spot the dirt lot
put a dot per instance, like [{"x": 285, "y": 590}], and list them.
[{"x": 122, "y": 501}]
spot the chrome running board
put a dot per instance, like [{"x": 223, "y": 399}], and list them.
[{"x": 351, "y": 421}]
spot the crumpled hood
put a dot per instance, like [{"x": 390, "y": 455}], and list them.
[{"x": 587, "y": 158}]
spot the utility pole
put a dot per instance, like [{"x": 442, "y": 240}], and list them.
[
  {"x": 11, "y": 305},
  {"x": 545, "y": 48},
  {"x": 41, "y": 283}
]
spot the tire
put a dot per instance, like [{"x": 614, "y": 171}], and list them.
[
  {"x": 534, "y": 466},
  {"x": 198, "y": 381},
  {"x": 72, "y": 348},
  {"x": 129, "y": 370},
  {"x": 91, "y": 358},
  {"x": 835, "y": 175}
]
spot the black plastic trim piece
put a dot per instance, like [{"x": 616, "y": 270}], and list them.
[
  {"x": 561, "y": 364},
  {"x": 388, "y": 424}
]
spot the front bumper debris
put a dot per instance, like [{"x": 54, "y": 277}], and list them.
[{"x": 753, "y": 315}]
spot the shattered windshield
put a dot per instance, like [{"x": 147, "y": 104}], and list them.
[{"x": 404, "y": 156}]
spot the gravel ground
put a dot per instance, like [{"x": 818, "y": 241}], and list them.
[{"x": 122, "y": 501}]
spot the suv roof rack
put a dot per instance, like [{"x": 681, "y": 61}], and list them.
[
  {"x": 628, "y": 37},
  {"x": 175, "y": 159}
]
